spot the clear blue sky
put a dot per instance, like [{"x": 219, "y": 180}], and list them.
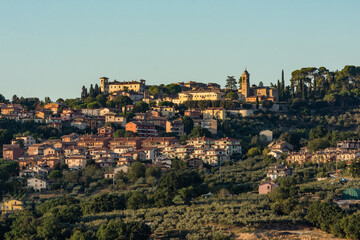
[{"x": 52, "y": 48}]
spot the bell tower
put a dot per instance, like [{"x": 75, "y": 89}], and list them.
[
  {"x": 103, "y": 84},
  {"x": 245, "y": 84}
]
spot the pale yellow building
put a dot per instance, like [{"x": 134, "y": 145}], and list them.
[
  {"x": 54, "y": 107},
  {"x": 214, "y": 112},
  {"x": 211, "y": 95},
  {"x": 11, "y": 205},
  {"x": 115, "y": 86}
]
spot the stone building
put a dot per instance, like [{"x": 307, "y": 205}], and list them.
[
  {"x": 250, "y": 94},
  {"x": 115, "y": 86}
]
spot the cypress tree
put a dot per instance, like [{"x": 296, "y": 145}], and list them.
[
  {"x": 84, "y": 93},
  {"x": 97, "y": 90},
  {"x": 91, "y": 92}
]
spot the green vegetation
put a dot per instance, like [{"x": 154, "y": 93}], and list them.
[{"x": 204, "y": 203}]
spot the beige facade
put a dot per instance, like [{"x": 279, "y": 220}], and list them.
[
  {"x": 211, "y": 95},
  {"x": 214, "y": 112},
  {"x": 112, "y": 118},
  {"x": 37, "y": 184},
  {"x": 115, "y": 86},
  {"x": 76, "y": 162}
]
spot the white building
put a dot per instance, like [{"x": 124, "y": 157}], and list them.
[
  {"x": 37, "y": 184},
  {"x": 91, "y": 112},
  {"x": 28, "y": 140},
  {"x": 76, "y": 161},
  {"x": 230, "y": 145},
  {"x": 113, "y": 118}
]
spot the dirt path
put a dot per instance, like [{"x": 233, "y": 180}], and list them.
[{"x": 301, "y": 234}]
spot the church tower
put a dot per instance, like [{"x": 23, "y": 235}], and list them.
[
  {"x": 245, "y": 84},
  {"x": 103, "y": 84}
]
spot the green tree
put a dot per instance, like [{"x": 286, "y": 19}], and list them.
[
  {"x": 166, "y": 103},
  {"x": 122, "y": 101},
  {"x": 79, "y": 235},
  {"x": 119, "y": 133},
  {"x": 330, "y": 98},
  {"x": 93, "y": 105},
  {"x": 103, "y": 203},
  {"x": 199, "y": 132},
  {"x": 67, "y": 213},
  {"x": 355, "y": 168},
  {"x": 267, "y": 104},
  {"x": 172, "y": 182},
  {"x": 350, "y": 226},
  {"x": 178, "y": 164},
  {"x": 137, "y": 200},
  {"x": 92, "y": 91},
  {"x": 2, "y": 99},
  {"x": 24, "y": 226},
  {"x": 114, "y": 229},
  {"x": 50, "y": 228},
  {"x": 324, "y": 215},
  {"x": 136, "y": 170},
  {"x": 232, "y": 95},
  {"x": 100, "y": 98},
  {"x": 138, "y": 231},
  {"x": 318, "y": 132},
  {"x": 318, "y": 143},
  {"x": 8, "y": 169},
  {"x": 47, "y": 100},
  {"x": 153, "y": 171},
  {"x": 188, "y": 124},
  {"x": 55, "y": 174},
  {"x": 231, "y": 83},
  {"x": 172, "y": 89},
  {"x": 154, "y": 90},
  {"x": 255, "y": 151},
  {"x": 117, "y": 230},
  {"x": 141, "y": 107},
  {"x": 15, "y": 99},
  {"x": 84, "y": 93}
]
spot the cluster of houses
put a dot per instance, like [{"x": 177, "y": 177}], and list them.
[
  {"x": 155, "y": 122},
  {"x": 275, "y": 171},
  {"x": 344, "y": 151},
  {"x": 57, "y": 115},
  {"x": 38, "y": 159}
]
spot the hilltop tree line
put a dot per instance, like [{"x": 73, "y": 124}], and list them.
[{"x": 322, "y": 84}]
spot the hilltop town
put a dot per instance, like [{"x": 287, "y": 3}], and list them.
[{"x": 279, "y": 153}]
